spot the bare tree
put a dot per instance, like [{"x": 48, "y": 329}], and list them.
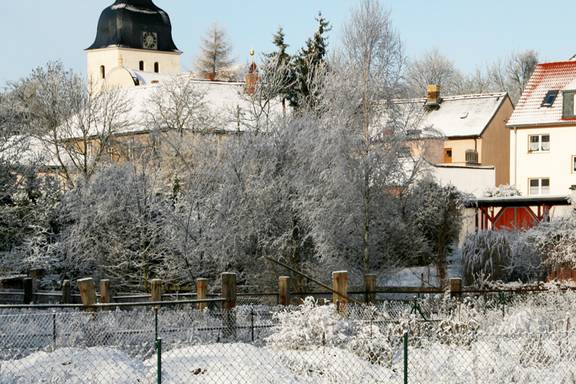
[
  {"x": 177, "y": 115},
  {"x": 76, "y": 126},
  {"x": 214, "y": 62},
  {"x": 267, "y": 101},
  {"x": 512, "y": 75},
  {"x": 433, "y": 68}
]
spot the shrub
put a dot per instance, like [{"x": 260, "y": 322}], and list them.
[{"x": 487, "y": 254}]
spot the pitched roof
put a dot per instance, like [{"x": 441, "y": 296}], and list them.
[
  {"x": 223, "y": 99},
  {"x": 460, "y": 116},
  {"x": 557, "y": 76},
  {"x": 229, "y": 108}
]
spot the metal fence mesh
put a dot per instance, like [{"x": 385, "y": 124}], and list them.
[{"x": 388, "y": 343}]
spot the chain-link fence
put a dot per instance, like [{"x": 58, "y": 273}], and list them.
[{"x": 388, "y": 343}]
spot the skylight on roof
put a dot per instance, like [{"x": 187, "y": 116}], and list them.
[{"x": 549, "y": 98}]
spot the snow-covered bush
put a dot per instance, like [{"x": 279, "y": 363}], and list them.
[
  {"x": 312, "y": 325},
  {"x": 308, "y": 325},
  {"x": 501, "y": 256},
  {"x": 555, "y": 241},
  {"x": 486, "y": 253},
  {"x": 373, "y": 344},
  {"x": 503, "y": 190}
]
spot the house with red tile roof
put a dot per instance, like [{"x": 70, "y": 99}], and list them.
[{"x": 543, "y": 132}]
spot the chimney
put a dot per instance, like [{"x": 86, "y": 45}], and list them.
[
  {"x": 433, "y": 99},
  {"x": 251, "y": 77}
]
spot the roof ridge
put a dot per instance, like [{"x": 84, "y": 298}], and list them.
[
  {"x": 455, "y": 97},
  {"x": 557, "y": 63}
]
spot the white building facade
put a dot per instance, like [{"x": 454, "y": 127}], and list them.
[{"x": 543, "y": 132}]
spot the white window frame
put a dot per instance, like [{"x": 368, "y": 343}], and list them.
[
  {"x": 539, "y": 146},
  {"x": 540, "y": 189}
]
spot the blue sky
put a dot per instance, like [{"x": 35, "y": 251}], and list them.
[{"x": 471, "y": 33}]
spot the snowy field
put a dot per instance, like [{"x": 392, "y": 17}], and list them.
[
  {"x": 487, "y": 361},
  {"x": 473, "y": 341}
]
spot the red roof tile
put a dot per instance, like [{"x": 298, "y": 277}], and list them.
[{"x": 546, "y": 77}]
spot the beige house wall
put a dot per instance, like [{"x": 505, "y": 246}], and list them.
[
  {"x": 496, "y": 144},
  {"x": 459, "y": 148}
]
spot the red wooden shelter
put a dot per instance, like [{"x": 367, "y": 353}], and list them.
[{"x": 516, "y": 212}]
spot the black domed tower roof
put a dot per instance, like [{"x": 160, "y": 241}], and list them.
[{"x": 126, "y": 23}]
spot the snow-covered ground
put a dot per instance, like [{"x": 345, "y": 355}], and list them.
[
  {"x": 473, "y": 341},
  {"x": 492, "y": 360}
]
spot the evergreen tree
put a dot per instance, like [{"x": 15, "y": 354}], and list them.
[
  {"x": 309, "y": 65},
  {"x": 280, "y": 57},
  {"x": 277, "y": 70}
]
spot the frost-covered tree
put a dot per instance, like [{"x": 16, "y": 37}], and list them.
[
  {"x": 26, "y": 199},
  {"x": 214, "y": 61},
  {"x": 112, "y": 226},
  {"x": 178, "y": 115},
  {"x": 436, "y": 211},
  {"x": 351, "y": 157},
  {"x": 277, "y": 77},
  {"x": 555, "y": 241},
  {"x": 75, "y": 125}
]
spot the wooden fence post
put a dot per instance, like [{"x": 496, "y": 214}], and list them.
[
  {"x": 284, "y": 290},
  {"x": 456, "y": 287},
  {"x": 87, "y": 292},
  {"x": 340, "y": 287},
  {"x": 229, "y": 296},
  {"x": 105, "y": 291},
  {"x": 66, "y": 293},
  {"x": 201, "y": 292},
  {"x": 28, "y": 290},
  {"x": 156, "y": 290},
  {"x": 370, "y": 288}
]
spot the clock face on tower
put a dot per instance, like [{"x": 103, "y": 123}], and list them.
[{"x": 150, "y": 40}]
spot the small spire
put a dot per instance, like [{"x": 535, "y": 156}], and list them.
[
  {"x": 120, "y": 61},
  {"x": 251, "y": 78},
  {"x": 252, "y": 67}
]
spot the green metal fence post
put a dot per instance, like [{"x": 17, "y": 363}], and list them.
[
  {"x": 406, "y": 358},
  {"x": 156, "y": 323},
  {"x": 159, "y": 360}
]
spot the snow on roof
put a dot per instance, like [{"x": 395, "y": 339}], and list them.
[
  {"x": 225, "y": 101},
  {"x": 557, "y": 76},
  {"x": 29, "y": 151},
  {"x": 460, "y": 116},
  {"x": 147, "y": 78}
]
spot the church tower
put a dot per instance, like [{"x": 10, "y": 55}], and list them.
[{"x": 134, "y": 36}]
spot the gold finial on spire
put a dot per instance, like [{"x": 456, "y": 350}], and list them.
[
  {"x": 252, "y": 55},
  {"x": 120, "y": 61}
]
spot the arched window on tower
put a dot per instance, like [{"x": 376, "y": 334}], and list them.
[
  {"x": 141, "y": 65},
  {"x": 102, "y": 72},
  {"x": 157, "y": 67}
]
